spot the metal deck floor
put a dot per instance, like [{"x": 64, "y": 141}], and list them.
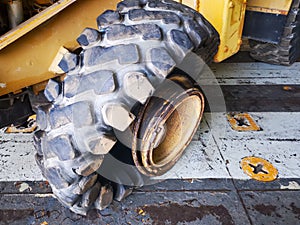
[{"x": 207, "y": 186}]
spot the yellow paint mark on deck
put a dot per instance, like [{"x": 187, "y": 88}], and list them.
[
  {"x": 259, "y": 169},
  {"x": 242, "y": 122}
]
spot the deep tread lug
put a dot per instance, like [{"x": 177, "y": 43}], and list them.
[
  {"x": 121, "y": 192},
  {"x": 146, "y": 31},
  {"x": 89, "y": 165},
  {"x": 68, "y": 62},
  {"x": 141, "y": 15},
  {"x": 102, "y": 82},
  {"x": 126, "y": 54},
  {"x": 52, "y": 90},
  {"x": 170, "y": 6},
  {"x": 107, "y": 18},
  {"x": 71, "y": 85},
  {"x": 125, "y": 6},
  {"x": 117, "y": 116},
  {"x": 62, "y": 147},
  {"x": 60, "y": 116},
  {"x": 160, "y": 62},
  {"x": 180, "y": 42},
  {"x": 65, "y": 196},
  {"x": 105, "y": 197},
  {"x": 101, "y": 145},
  {"x": 78, "y": 209},
  {"x": 91, "y": 195},
  {"x": 196, "y": 32},
  {"x": 89, "y": 37},
  {"x": 42, "y": 117},
  {"x": 80, "y": 113},
  {"x": 137, "y": 86},
  {"x": 85, "y": 183},
  {"x": 37, "y": 136},
  {"x": 54, "y": 175}
]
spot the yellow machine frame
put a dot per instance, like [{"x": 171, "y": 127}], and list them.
[
  {"x": 26, "y": 61},
  {"x": 270, "y": 6},
  {"x": 227, "y": 16}
]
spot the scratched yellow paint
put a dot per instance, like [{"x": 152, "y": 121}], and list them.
[
  {"x": 227, "y": 16},
  {"x": 270, "y": 6}
]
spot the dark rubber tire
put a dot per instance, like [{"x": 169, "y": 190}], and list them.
[
  {"x": 144, "y": 38},
  {"x": 287, "y": 51}
]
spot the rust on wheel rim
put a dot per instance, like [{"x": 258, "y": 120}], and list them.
[{"x": 166, "y": 125}]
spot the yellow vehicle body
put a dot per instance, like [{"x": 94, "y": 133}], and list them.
[
  {"x": 228, "y": 19},
  {"x": 27, "y": 51},
  {"x": 227, "y": 16}
]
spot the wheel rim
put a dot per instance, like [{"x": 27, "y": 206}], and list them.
[
  {"x": 179, "y": 128},
  {"x": 166, "y": 127}
]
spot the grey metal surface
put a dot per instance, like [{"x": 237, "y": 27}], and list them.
[
  {"x": 272, "y": 207},
  {"x": 170, "y": 202}
]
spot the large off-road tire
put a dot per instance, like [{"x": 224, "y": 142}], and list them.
[
  {"x": 287, "y": 51},
  {"x": 122, "y": 63}
]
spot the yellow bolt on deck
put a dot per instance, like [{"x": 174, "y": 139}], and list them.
[
  {"x": 259, "y": 169},
  {"x": 242, "y": 122}
]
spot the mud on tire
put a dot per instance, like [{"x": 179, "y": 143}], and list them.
[{"x": 121, "y": 63}]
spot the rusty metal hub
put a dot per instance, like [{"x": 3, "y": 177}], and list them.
[
  {"x": 166, "y": 125},
  {"x": 179, "y": 128}
]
